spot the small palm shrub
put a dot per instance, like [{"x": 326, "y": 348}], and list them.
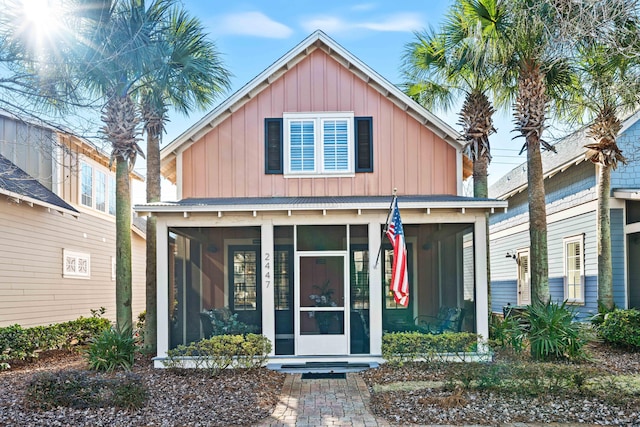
[
  {"x": 80, "y": 389},
  {"x": 111, "y": 350},
  {"x": 509, "y": 332},
  {"x": 621, "y": 328},
  {"x": 553, "y": 332}
]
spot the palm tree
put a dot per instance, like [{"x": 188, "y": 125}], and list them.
[
  {"x": 608, "y": 87},
  {"x": 530, "y": 54},
  {"x": 441, "y": 66},
  {"x": 190, "y": 74},
  {"x": 119, "y": 48}
]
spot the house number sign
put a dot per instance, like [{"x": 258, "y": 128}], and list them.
[{"x": 266, "y": 268}]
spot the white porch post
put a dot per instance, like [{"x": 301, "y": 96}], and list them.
[
  {"x": 162, "y": 292},
  {"x": 375, "y": 290},
  {"x": 268, "y": 299},
  {"x": 482, "y": 300}
]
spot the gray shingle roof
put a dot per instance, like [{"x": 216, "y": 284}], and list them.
[
  {"x": 570, "y": 151},
  {"x": 15, "y": 181}
]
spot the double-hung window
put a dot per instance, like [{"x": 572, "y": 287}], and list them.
[
  {"x": 97, "y": 188},
  {"x": 318, "y": 144},
  {"x": 574, "y": 269}
]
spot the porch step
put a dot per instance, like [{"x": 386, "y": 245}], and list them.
[{"x": 322, "y": 367}]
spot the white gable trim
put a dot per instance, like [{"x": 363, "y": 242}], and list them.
[{"x": 316, "y": 40}]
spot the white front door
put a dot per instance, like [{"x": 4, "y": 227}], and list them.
[{"x": 321, "y": 323}]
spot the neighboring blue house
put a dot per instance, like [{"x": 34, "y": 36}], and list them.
[{"x": 572, "y": 228}]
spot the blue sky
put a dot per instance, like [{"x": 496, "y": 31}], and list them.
[{"x": 251, "y": 35}]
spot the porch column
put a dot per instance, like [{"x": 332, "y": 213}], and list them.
[
  {"x": 375, "y": 290},
  {"x": 482, "y": 300},
  {"x": 268, "y": 299},
  {"x": 162, "y": 292}
]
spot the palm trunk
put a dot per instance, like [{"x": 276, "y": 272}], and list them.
[
  {"x": 537, "y": 224},
  {"x": 123, "y": 246},
  {"x": 531, "y": 105},
  {"x": 481, "y": 190},
  {"x": 605, "y": 273},
  {"x": 153, "y": 195}
]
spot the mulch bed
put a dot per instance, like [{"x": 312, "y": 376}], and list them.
[
  {"x": 234, "y": 398},
  {"x": 425, "y": 405}
]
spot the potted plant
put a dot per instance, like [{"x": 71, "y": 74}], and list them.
[{"x": 323, "y": 298}]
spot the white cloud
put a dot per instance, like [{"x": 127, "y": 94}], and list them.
[
  {"x": 252, "y": 24},
  {"x": 400, "y": 22},
  {"x": 363, "y": 6}
]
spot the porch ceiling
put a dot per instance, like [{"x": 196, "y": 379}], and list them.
[{"x": 261, "y": 204}]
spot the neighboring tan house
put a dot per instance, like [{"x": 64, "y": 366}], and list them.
[
  {"x": 57, "y": 206},
  {"x": 284, "y": 191},
  {"x": 572, "y": 235}
]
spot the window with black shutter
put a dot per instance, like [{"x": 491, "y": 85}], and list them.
[
  {"x": 364, "y": 144},
  {"x": 273, "y": 143}
]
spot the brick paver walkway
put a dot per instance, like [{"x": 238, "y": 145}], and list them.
[{"x": 322, "y": 402}]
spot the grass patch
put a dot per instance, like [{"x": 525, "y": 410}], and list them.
[{"x": 407, "y": 386}]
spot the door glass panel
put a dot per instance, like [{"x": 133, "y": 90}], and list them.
[
  {"x": 322, "y": 295},
  {"x": 322, "y": 237}
]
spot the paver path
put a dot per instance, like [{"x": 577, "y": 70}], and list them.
[{"x": 323, "y": 402}]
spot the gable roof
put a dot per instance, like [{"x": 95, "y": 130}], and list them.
[
  {"x": 317, "y": 40},
  {"x": 570, "y": 151},
  {"x": 22, "y": 187}
]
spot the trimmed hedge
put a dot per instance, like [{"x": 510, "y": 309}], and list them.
[
  {"x": 621, "y": 328},
  {"x": 400, "y": 347},
  {"x": 17, "y": 343},
  {"x": 220, "y": 352}
]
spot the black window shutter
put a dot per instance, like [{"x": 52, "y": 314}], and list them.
[
  {"x": 364, "y": 144},
  {"x": 273, "y": 143}
]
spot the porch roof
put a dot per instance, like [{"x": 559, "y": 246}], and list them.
[{"x": 260, "y": 204}]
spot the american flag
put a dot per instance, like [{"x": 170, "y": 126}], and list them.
[{"x": 399, "y": 279}]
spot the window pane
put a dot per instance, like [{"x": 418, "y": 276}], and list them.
[
  {"x": 281, "y": 279},
  {"x": 112, "y": 195},
  {"x": 101, "y": 191},
  {"x": 244, "y": 280},
  {"x": 87, "y": 185},
  {"x": 335, "y": 145},
  {"x": 573, "y": 262},
  {"x": 302, "y": 150}
]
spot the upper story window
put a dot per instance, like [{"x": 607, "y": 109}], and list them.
[
  {"x": 574, "y": 269},
  {"x": 97, "y": 189},
  {"x": 318, "y": 144}
]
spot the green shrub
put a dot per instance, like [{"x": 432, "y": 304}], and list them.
[
  {"x": 507, "y": 333},
  {"x": 17, "y": 343},
  {"x": 138, "y": 332},
  {"x": 111, "y": 350},
  {"x": 78, "y": 389},
  {"x": 401, "y": 347},
  {"x": 553, "y": 332},
  {"x": 220, "y": 352},
  {"x": 621, "y": 328}
]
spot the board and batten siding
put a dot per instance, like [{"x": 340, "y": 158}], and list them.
[
  {"x": 33, "y": 290},
  {"x": 229, "y": 160}
]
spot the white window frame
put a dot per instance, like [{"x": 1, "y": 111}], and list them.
[
  {"x": 318, "y": 121},
  {"x": 565, "y": 243},
  {"x": 71, "y": 260},
  {"x": 109, "y": 179}
]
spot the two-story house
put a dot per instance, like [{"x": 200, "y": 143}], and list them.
[
  {"x": 572, "y": 222},
  {"x": 57, "y": 217},
  {"x": 284, "y": 191}
]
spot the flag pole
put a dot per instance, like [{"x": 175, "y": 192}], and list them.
[{"x": 384, "y": 230}]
